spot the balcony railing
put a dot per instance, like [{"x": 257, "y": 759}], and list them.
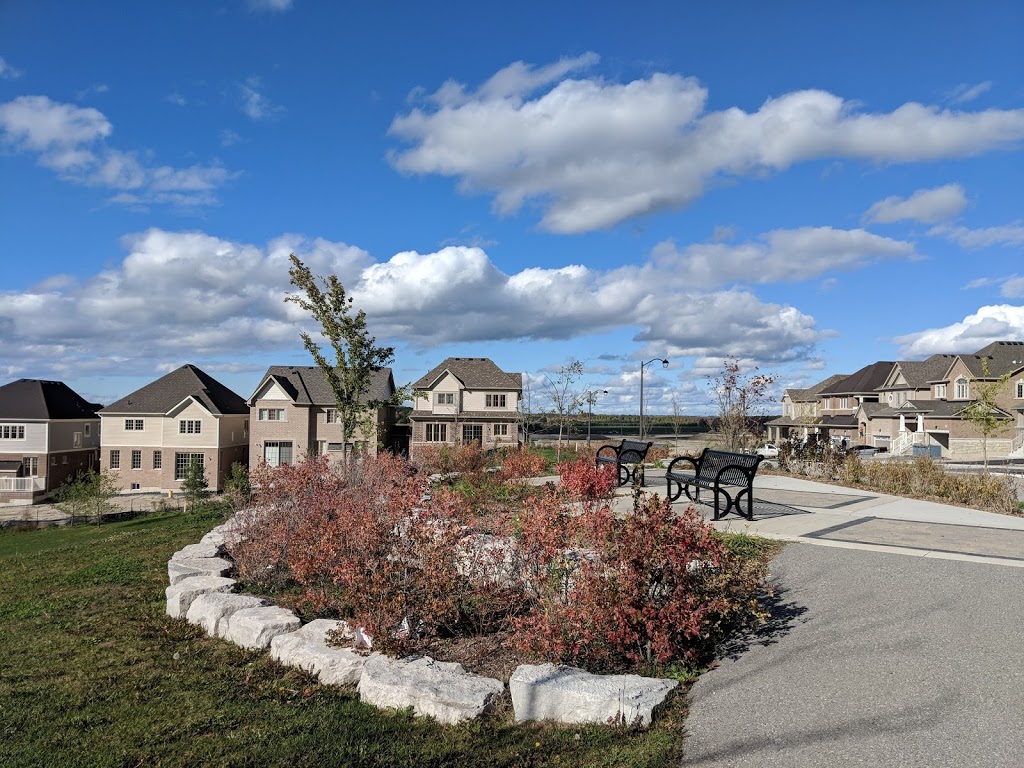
[
  {"x": 21, "y": 484},
  {"x": 903, "y": 441},
  {"x": 1018, "y": 441}
]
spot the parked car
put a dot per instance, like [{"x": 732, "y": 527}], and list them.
[
  {"x": 768, "y": 451},
  {"x": 862, "y": 450}
]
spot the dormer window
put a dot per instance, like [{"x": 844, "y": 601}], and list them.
[{"x": 962, "y": 390}]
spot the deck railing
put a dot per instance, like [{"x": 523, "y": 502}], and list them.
[{"x": 20, "y": 484}]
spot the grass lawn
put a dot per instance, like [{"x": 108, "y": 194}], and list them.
[{"x": 93, "y": 673}]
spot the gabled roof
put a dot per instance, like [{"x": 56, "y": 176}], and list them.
[
  {"x": 933, "y": 408},
  {"x": 162, "y": 395},
  {"x": 1001, "y": 356},
  {"x": 920, "y": 373},
  {"x": 34, "y": 399},
  {"x": 474, "y": 373},
  {"x": 865, "y": 381},
  {"x": 307, "y": 385},
  {"x": 872, "y": 409},
  {"x": 810, "y": 394}
]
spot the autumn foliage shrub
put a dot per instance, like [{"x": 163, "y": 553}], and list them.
[
  {"x": 463, "y": 458},
  {"x": 521, "y": 464},
  {"x": 581, "y": 479},
  {"x": 646, "y": 591}
]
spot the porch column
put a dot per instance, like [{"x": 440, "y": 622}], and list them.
[
  {"x": 920, "y": 422},
  {"x": 903, "y": 422}
]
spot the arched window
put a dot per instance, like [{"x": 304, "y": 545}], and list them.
[{"x": 962, "y": 390}]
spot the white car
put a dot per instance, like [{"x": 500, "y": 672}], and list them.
[{"x": 768, "y": 451}]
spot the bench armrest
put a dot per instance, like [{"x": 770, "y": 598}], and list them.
[
  {"x": 614, "y": 448},
  {"x": 747, "y": 471},
  {"x": 694, "y": 462}
]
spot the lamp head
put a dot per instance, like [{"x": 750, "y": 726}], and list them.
[{"x": 664, "y": 363}]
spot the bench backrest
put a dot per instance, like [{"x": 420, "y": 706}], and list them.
[
  {"x": 712, "y": 461},
  {"x": 633, "y": 452}
]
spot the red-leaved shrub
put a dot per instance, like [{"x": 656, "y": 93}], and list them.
[
  {"x": 520, "y": 464},
  {"x": 581, "y": 479}
]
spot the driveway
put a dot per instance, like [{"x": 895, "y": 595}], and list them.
[{"x": 872, "y": 659}]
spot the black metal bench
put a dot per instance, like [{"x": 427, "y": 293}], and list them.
[
  {"x": 626, "y": 453},
  {"x": 716, "y": 470}
]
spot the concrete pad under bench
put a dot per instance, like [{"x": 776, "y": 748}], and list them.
[
  {"x": 307, "y": 649},
  {"x": 442, "y": 690},
  {"x": 180, "y": 596},
  {"x": 571, "y": 695},
  {"x": 256, "y": 627}
]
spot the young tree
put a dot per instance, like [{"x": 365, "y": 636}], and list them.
[
  {"x": 565, "y": 400},
  {"x": 237, "y": 488},
  {"x": 740, "y": 397},
  {"x": 984, "y": 411},
  {"x": 88, "y": 493},
  {"x": 356, "y": 354},
  {"x": 194, "y": 485}
]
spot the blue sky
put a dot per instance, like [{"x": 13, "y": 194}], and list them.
[{"x": 806, "y": 186}]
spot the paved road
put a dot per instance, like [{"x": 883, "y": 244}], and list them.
[{"x": 877, "y": 660}]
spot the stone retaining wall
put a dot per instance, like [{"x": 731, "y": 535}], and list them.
[{"x": 200, "y": 591}]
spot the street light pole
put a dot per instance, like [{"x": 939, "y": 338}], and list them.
[
  {"x": 591, "y": 397},
  {"x": 664, "y": 364}
]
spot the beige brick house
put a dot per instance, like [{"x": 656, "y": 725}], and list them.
[
  {"x": 148, "y": 438},
  {"x": 466, "y": 399},
  {"x": 293, "y": 414},
  {"x": 48, "y": 433}
]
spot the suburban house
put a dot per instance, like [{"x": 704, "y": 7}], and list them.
[
  {"x": 466, "y": 399},
  {"x": 48, "y": 434},
  {"x": 149, "y": 438},
  {"x": 799, "y": 411},
  {"x": 917, "y": 406},
  {"x": 293, "y": 414}
]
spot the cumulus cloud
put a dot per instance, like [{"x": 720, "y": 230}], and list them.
[
  {"x": 595, "y": 153},
  {"x": 255, "y": 104},
  {"x": 71, "y": 141},
  {"x": 925, "y": 206},
  {"x": 990, "y": 323},
  {"x": 985, "y": 237},
  {"x": 178, "y": 294},
  {"x": 1011, "y": 287}
]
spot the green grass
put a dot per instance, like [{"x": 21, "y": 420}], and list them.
[{"x": 93, "y": 673}]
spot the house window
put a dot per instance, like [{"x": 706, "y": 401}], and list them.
[
  {"x": 12, "y": 432},
  {"x": 115, "y": 459},
  {"x": 501, "y": 430},
  {"x": 495, "y": 401},
  {"x": 331, "y": 415},
  {"x": 437, "y": 433},
  {"x": 136, "y": 459},
  {"x": 271, "y": 414},
  {"x": 335, "y": 447},
  {"x": 182, "y": 462},
  {"x": 53, "y": 461},
  {"x": 31, "y": 466},
  {"x": 64, "y": 458},
  {"x": 88, "y": 430},
  {"x": 962, "y": 390},
  {"x": 133, "y": 425},
  {"x": 189, "y": 426},
  {"x": 844, "y": 402},
  {"x": 471, "y": 432},
  {"x": 76, "y": 440},
  {"x": 277, "y": 453},
  {"x": 446, "y": 398},
  {"x": 1020, "y": 389},
  {"x": 158, "y": 460},
  {"x": 940, "y": 391}
]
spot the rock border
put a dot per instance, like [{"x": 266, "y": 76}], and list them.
[{"x": 200, "y": 592}]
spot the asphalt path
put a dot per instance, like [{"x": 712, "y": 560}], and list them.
[{"x": 871, "y": 659}]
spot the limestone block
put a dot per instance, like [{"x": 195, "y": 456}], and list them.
[
  {"x": 181, "y": 595},
  {"x": 256, "y": 627},
  {"x": 571, "y": 695},
  {"x": 442, "y": 690},
  {"x": 214, "y": 537},
  {"x": 307, "y": 649},
  {"x": 197, "y": 566},
  {"x": 201, "y": 549},
  {"x": 211, "y": 610}
]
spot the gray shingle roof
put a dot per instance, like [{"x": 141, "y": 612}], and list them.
[
  {"x": 307, "y": 385},
  {"x": 474, "y": 373},
  {"x": 865, "y": 381},
  {"x": 934, "y": 408},
  {"x": 920, "y": 373},
  {"x": 1002, "y": 357},
  {"x": 162, "y": 395},
  {"x": 35, "y": 399},
  {"x": 810, "y": 394}
]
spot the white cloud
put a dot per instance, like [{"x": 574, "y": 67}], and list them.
[
  {"x": 177, "y": 99},
  {"x": 988, "y": 324},
  {"x": 7, "y": 72},
  {"x": 926, "y": 206},
  {"x": 71, "y": 141},
  {"x": 1011, "y": 287},
  {"x": 271, "y": 6},
  {"x": 254, "y": 104},
  {"x": 595, "y": 153},
  {"x": 178, "y": 294},
  {"x": 964, "y": 93},
  {"x": 974, "y": 239},
  {"x": 229, "y": 138}
]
